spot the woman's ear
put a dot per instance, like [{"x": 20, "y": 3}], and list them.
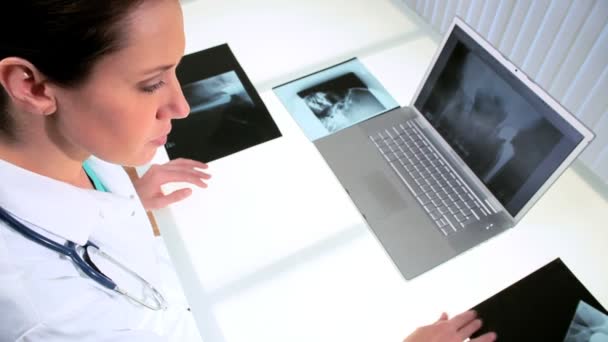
[{"x": 27, "y": 88}]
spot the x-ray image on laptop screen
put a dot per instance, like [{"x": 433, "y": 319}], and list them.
[{"x": 506, "y": 134}]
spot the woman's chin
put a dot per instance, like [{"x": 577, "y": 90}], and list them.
[
  {"x": 145, "y": 157},
  {"x": 142, "y": 157}
]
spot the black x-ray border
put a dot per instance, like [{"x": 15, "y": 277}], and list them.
[{"x": 206, "y": 138}]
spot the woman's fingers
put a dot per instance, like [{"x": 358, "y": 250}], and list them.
[
  {"x": 166, "y": 174},
  {"x": 467, "y": 324},
  {"x": 461, "y": 320},
  {"x": 487, "y": 337},
  {"x": 164, "y": 200},
  {"x": 148, "y": 187},
  {"x": 443, "y": 317},
  {"x": 468, "y": 330},
  {"x": 188, "y": 163},
  {"x": 196, "y": 172},
  {"x": 184, "y": 176}
]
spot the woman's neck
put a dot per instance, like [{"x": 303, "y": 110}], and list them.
[{"x": 41, "y": 154}]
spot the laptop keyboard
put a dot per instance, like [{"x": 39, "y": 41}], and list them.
[{"x": 445, "y": 198}]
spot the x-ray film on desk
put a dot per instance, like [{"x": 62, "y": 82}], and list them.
[
  {"x": 226, "y": 113},
  {"x": 550, "y": 304},
  {"x": 334, "y": 98}
]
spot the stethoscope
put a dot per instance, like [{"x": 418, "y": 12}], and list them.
[{"x": 70, "y": 249}]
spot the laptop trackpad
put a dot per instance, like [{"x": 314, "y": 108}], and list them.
[{"x": 376, "y": 197}]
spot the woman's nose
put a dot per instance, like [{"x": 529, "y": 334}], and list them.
[
  {"x": 181, "y": 108},
  {"x": 176, "y": 106}
]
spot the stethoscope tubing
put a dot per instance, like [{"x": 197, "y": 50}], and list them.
[{"x": 70, "y": 250}]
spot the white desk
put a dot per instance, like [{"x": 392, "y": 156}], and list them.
[{"x": 275, "y": 250}]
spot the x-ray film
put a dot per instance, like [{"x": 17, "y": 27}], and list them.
[{"x": 334, "y": 98}]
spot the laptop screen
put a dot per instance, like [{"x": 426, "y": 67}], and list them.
[{"x": 511, "y": 139}]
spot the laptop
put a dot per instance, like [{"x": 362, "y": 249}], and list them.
[{"x": 477, "y": 147}]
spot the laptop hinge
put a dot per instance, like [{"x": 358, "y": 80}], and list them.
[{"x": 493, "y": 204}]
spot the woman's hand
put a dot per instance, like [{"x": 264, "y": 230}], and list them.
[
  {"x": 456, "y": 329},
  {"x": 178, "y": 170}
]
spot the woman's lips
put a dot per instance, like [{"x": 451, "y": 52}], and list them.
[{"x": 160, "y": 141}]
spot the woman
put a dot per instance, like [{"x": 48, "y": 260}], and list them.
[
  {"x": 70, "y": 92},
  {"x": 91, "y": 85}
]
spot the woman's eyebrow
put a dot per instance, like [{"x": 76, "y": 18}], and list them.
[{"x": 157, "y": 69}]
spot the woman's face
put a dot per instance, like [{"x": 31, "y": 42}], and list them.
[{"x": 123, "y": 111}]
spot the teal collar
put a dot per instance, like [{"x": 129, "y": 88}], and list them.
[{"x": 94, "y": 178}]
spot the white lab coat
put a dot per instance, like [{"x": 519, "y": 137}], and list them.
[{"x": 45, "y": 297}]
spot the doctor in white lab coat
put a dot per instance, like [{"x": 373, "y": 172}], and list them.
[
  {"x": 86, "y": 87},
  {"x": 80, "y": 79},
  {"x": 44, "y": 297}
]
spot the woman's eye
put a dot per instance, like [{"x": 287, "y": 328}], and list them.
[{"x": 154, "y": 87}]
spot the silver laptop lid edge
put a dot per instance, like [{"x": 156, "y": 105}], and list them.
[{"x": 587, "y": 134}]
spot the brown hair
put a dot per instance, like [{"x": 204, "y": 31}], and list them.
[{"x": 62, "y": 38}]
